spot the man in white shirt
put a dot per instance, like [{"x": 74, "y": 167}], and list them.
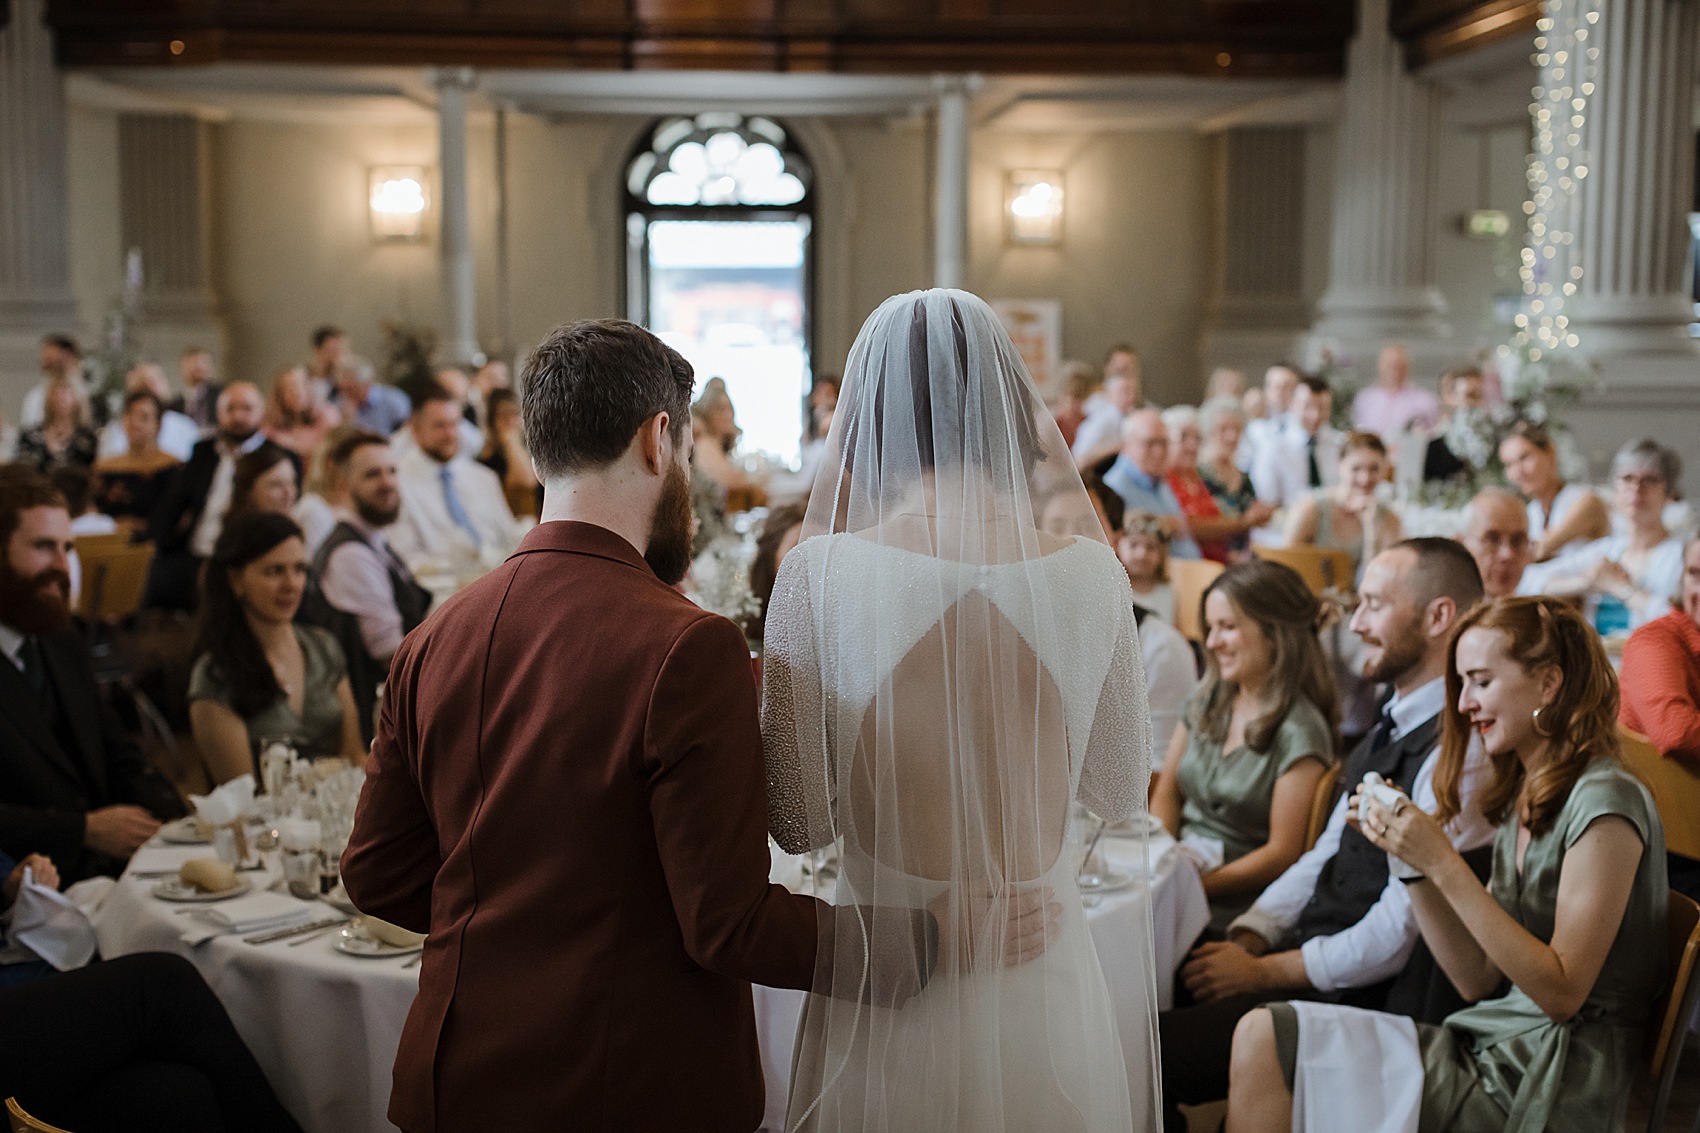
[
  {"x": 177, "y": 431},
  {"x": 1305, "y": 455},
  {"x": 1099, "y": 436},
  {"x": 1279, "y": 382},
  {"x": 402, "y": 441},
  {"x": 453, "y": 512},
  {"x": 1338, "y": 925},
  {"x": 1496, "y": 533}
]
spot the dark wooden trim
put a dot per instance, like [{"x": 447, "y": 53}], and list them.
[{"x": 1433, "y": 30}]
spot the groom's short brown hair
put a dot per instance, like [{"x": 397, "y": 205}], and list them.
[{"x": 589, "y": 386}]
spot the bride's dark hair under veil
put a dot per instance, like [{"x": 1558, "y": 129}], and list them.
[{"x": 943, "y": 679}]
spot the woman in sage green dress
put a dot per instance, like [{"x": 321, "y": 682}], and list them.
[{"x": 1573, "y": 917}]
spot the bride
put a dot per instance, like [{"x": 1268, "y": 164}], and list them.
[{"x": 942, "y": 680}]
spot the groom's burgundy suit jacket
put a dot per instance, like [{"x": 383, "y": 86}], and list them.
[{"x": 567, "y": 792}]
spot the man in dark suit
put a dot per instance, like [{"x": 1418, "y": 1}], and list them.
[
  {"x": 72, "y": 785},
  {"x": 190, "y": 515},
  {"x": 567, "y": 792},
  {"x": 1336, "y": 926}
]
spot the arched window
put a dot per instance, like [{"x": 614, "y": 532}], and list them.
[{"x": 719, "y": 212}]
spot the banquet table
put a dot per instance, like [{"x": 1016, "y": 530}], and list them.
[{"x": 325, "y": 1026}]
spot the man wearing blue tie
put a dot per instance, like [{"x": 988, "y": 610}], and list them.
[{"x": 453, "y": 513}]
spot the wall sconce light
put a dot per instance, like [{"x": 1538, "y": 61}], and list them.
[
  {"x": 1033, "y": 204},
  {"x": 399, "y": 197}
]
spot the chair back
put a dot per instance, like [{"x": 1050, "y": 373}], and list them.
[
  {"x": 21, "y": 1122},
  {"x": 1189, "y": 578},
  {"x": 1671, "y": 1013},
  {"x": 1323, "y": 568},
  {"x": 115, "y": 576},
  {"x": 1321, "y": 805},
  {"x": 1675, "y": 784}
]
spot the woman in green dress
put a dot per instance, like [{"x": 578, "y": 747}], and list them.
[
  {"x": 1256, "y": 738},
  {"x": 1573, "y": 917}
]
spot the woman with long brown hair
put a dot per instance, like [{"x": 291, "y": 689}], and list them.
[
  {"x": 1573, "y": 917},
  {"x": 1256, "y": 738}
]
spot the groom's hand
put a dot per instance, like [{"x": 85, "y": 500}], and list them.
[{"x": 994, "y": 930}]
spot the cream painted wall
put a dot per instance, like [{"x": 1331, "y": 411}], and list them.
[
  {"x": 1471, "y": 272},
  {"x": 97, "y": 253}
]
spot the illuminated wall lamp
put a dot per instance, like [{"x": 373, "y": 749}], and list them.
[
  {"x": 1034, "y": 206},
  {"x": 399, "y": 197}
]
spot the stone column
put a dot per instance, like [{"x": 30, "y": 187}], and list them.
[
  {"x": 35, "y": 248},
  {"x": 1381, "y": 280},
  {"x": 1259, "y": 310},
  {"x": 950, "y": 184},
  {"x": 460, "y": 311},
  {"x": 1631, "y": 210}
]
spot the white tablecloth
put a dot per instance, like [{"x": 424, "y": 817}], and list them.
[
  {"x": 324, "y": 1026},
  {"x": 1179, "y": 912}
]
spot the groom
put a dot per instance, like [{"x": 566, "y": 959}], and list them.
[{"x": 567, "y": 792}]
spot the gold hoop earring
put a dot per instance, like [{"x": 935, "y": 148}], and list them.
[{"x": 1535, "y": 722}]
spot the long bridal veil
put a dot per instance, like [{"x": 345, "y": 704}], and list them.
[{"x": 952, "y": 664}]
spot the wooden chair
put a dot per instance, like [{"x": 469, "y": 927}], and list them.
[
  {"x": 1321, "y": 805},
  {"x": 1324, "y": 569},
  {"x": 1189, "y": 578},
  {"x": 1675, "y": 784},
  {"x": 1672, "y": 1013},
  {"x": 115, "y": 575},
  {"x": 22, "y": 1122}
]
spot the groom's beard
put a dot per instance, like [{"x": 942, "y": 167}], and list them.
[{"x": 669, "y": 552}]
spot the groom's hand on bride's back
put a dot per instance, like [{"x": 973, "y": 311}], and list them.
[{"x": 983, "y": 931}]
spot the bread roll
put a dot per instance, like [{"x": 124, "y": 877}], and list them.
[{"x": 208, "y": 875}]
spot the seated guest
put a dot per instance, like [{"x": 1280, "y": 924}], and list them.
[
  {"x": 1300, "y": 457},
  {"x": 72, "y": 785},
  {"x": 1628, "y": 580},
  {"x": 130, "y": 486},
  {"x": 1559, "y": 514},
  {"x": 1464, "y": 393},
  {"x": 296, "y": 418},
  {"x": 257, "y": 673},
  {"x": 490, "y": 377},
  {"x": 186, "y": 523},
  {"x": 1069, "y": 411},
  {"x": 454, "y": 383},
  {"x": 1256, "y": 738},
  {"x": 1139, "y": 475},
  {"x": 452, "y": 507},
  {"x": 362, "y": 401},
  {"x": 1661, "y": 690},
  {"x": 64, "y": 435},
  {"x": 780, "y": 532},
  {"x": 1100, "y": 432},
  {"x": 174, "y": 433},
  {"x": 1496, "y": 533},
  {"x": 1393, "y": 405},
  {"x": 1268, "y": 412},
  {"x": 139, "y": 1044},
  {"x": 359, "y": 589},
  {"x": 1171, "y": 677},
  {"x": 1562, "y": 954},
  {"x": 18, "y": 965},
  {"x": 60, "y": 358},
  {"x": 323, "y": 493},
  {"x": 331, "y": 352},
  {"x": 77, "y": 486},
  {"x": 504, "y": 452},
  {"x": 1143, "y": 547},
  {"x": 199, "y": 402},
  {"x": 714, "y": 475},
  {"x": 1336, "y": 926},
  {"x": 1348, "y": 516},
  {"x": 1227, "y": 537},
  {"x": 1225, "y": 381},
  {"x": 266, "y": 479}
]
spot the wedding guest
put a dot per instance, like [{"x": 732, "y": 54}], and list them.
[
  {"x": 72, "y": 785},
  {"x": 1100, "y": 433},
  {"x": 1559, "y": 513},
  {"x": 1628, "y": 580},
  {"x": 1463, "y": 393},
  {"x": 77, "y": 486},
  {"x": 1069, "y": 412},
  {"x": 505, "y": 453},
  {"x": 361, "y": 400},
  {"x": 266, "y": 479},
  {"x": 1225, "y": 381},
  {"x": 1268, "y": 412},
  {"x": 821, "y": 406},
  {"x": 136, "y": 1044},
  {"x": 1561, "y": 955},
  {"x": 359, "y": 589},
  {"x": 491, "y": 376},
  {"x": 780, "y": 532},
  {"x": 323, "y": 490},
  {"x": 64, "y": 435},
  {"x": 1139, "y": 475},
  {"x": 1302, "y": 455},
  {"x": 452, "y": 507},
  {"x": 1171, "y": 677},
  {"x": 1348, "y": 516},
  {"x": 199, "y": 402},
  {"x": 1222, "y": 422},
  {"x": 186, "y": 523},
  {"x": 714, "y": 476},
  {"x": 1142, "y": 545},
  {"x": 176, "y": 433},
  {"x": 296, "y": 417},
  {"x": 331, "y": 353},
  {"x": 1393, "y": 405},
  {"x": 1661, "y": 690},
  {"x": 130, "y": 486},
  {"x": 1256, "y": 738},
  {"x": 1337, "y": 927},
  {"x": 60, "y": 359},
  {"x": 1496, "y": 533},
  {"x": 257, "y": 672},
  {"x": 19, "y": 965}
]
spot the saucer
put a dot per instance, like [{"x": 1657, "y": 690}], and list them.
[
  {"x": 353, "y": 941},
  {"x": 173, "y": 890}
]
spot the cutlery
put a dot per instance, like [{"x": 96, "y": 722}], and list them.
[
  {"x": 315, "y": 935},
  {"x": 314, "y": 927}
]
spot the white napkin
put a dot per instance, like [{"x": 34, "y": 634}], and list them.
[
  {"x": 1206, "y": 853},
  {"x": 252, "y": 912},
  {"x": 50, "y": 924},
  {"x": 227, "y": 803},
  {"x": 165, "y": 859}
]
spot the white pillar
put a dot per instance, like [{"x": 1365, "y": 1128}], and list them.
[
  {"x": 950, "y": 184},
  {"x": 460, "y": 311},
  {"x": 1631, "y": 214},
  {"x": 35, "y": 247},
  {"x": 1381, "y": 282}
]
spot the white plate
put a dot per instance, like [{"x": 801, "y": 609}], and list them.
[
  {"x": 173, "y": 890},
  {"x": 184, "y": 832},
  {"x": 353, "y": 941}
]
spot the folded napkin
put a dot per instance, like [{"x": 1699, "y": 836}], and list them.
[
  {"x": 252, "y": 912},
  {"x": 227, "y": 803},
  {"x": 51, "y": 925},
  {"x": 164, "y": 859}
]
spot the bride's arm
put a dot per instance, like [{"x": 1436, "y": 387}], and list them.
[
  {"x": 1117, "y": 768},
  {"x": 793, "y": 717}
]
